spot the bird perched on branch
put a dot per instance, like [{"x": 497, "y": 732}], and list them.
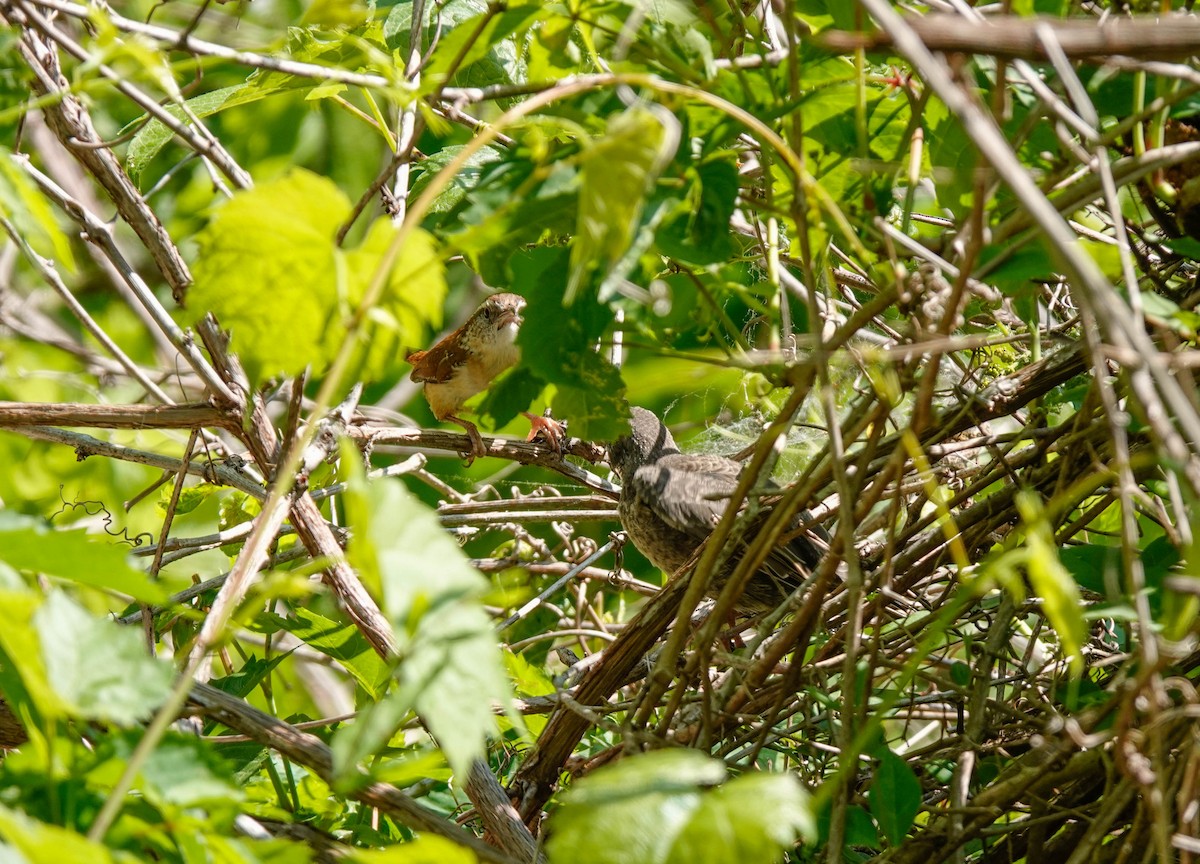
[
  {"x": 671, "y": 501},
  {"x": 469, "y": 359}
]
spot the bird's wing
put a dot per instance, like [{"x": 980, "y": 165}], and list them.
[
  {"x": 688, "y": 492},
  {"x": 437, "y": 365}
]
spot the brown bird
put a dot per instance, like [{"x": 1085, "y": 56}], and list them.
[
  {"x": 465, "y": 362},
  {"x": 12, "y": 733},
  {"x": 671, "y": 501}
]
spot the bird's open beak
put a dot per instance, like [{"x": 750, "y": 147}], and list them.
[{"x": 509, "y": 316}]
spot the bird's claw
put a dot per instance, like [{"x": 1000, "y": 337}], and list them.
[
  {"x": 553, "y": 432},
  {"x": 478, "y": 449}
]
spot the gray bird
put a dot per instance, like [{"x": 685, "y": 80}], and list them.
[{"x": 671, "y": 501}]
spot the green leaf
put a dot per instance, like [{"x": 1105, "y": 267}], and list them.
[
  {"x": 270, "y": 270},
  {"x": 345, "y": 643},
  {"x": 1052, "y": 582},
  {"x": 529, "y": 680},
  {"x": 267, "y": 268},
  {"x": 450, "y": 670},
  {"x": 617, "y": 172},
  {"x": 1016, "y": 270},
  {"x": 507, "y": 397},
  {"x": 22, "y": 203},
  {"x": 426, "y": 849},
  {"x": 22, "y": 652},
  {"x": 38, "y": 843},
  {"x": 154, "y": 134},
  {"x": 472, "y": 40},
  {"x": 589, "y": 390},
  {"x": 654, "y": 809},
  {"x": 243, "y": 682},
  {"x": 412, "y": 300},
  {"x": 593, "y": 399},
  {"x": 895, "y": 796},
  {"x": 75, "y": 556},
  {"x": 511, "y": 209},
  {"x": 1096, "y": 568},
  {"x": 185, "y": 772},
  {"x": 467, "y": 177},
  {"x": 753, "y": 818},
  {"x": 699, "y": 232},
  {"x": 98, "y": 668},
  {"x": 1188, "y": 247},
  {"x": 860, "y": 830},
  {"x": 190, "y": 497}
]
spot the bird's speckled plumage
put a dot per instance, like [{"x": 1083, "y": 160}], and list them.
[
  {"x": 465, "y": 362},
  {"x": 671, "y": 501}
]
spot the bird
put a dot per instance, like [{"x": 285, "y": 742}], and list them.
[
  {"x": 469, "y": 359},
  {"x": 671, "y": 501},
  {"x": 12, "y": 733}
]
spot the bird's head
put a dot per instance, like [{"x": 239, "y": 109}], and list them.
[
  {"x": 501, "y": 311},
  {"x": 648, "y": 439}
]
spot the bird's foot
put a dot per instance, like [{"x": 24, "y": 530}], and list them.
[
  {"x": 478, "y": 449},
  {"x": 553, "y": 432}
]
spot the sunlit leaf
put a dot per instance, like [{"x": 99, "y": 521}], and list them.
[
  {"x": 1052, "y": 582},
  {"x": 267, "y": 268},
  {"x": 658, "y": 809},
  {"x": 343, "y": 642},
  {"x": 426, "y": 849},
  {"x": 75, "y": 555},
  {"x": 618, "y": 170},
  {"x": 450, "y": 668},
  {"x": 98, "y": 668},
  {"x": 271, "y": 271},
  {"x": 35, "y": 842},
  {"x": 22, "y": 204}
]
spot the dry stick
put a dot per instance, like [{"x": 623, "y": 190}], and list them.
[
  {"x": 1010, "y": 37},
  {"x": 539, "y": 773},
  {"x": 50, "y": 275},
  {"x": 173, "y": 40},
  {"x": 536, "y": 779},
  {"x": 1150, "y": 377},
  {"x": 61, "y": 165},
  {"x": 752, "y": 558},
  {"x": 981, "y": 676},
  {"x": 194, "y": 415},
  {"x": 99, "y": 232},
  {"x": 71, "y": 123},
  {"x": 1127, "y": 486},
  {"x": 406, "y": 137},
  {"x": 517, "y": 451},
  {"x": 310, "y": 751},
  {"x": 86, "y": 445},
  {"x": 69, "y": 120},
  {"x": 1079, "y": 192},
  {"x": 201, "y": 141},
  {"x": 713, "y": 553},
  {"x": 317, "y": 537}
]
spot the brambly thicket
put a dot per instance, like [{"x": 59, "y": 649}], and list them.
[{"x": 929, "y": 270}]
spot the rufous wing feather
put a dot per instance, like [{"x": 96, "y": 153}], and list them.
[{"x": 437, "y": 365}]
